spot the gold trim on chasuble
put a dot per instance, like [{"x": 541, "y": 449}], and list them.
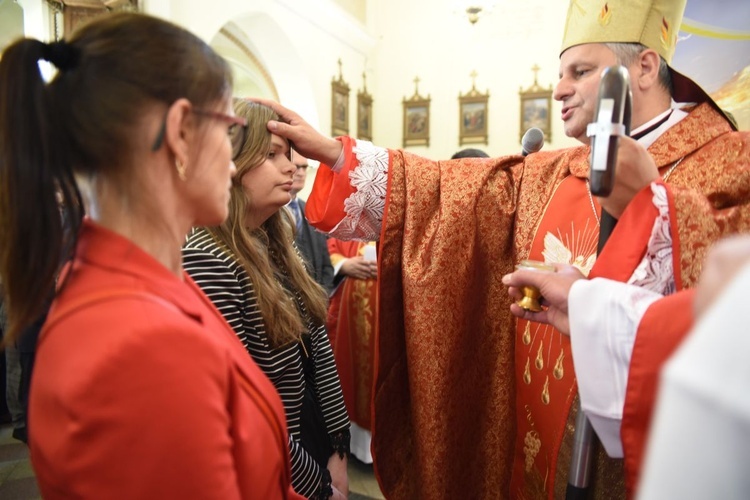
[
  {"x": 568, "y": 233},
  {"x": 362, "y": 323}
]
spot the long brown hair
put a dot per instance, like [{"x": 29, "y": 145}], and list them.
[
  {"x": 110, "y": 71},
  {"x": 267, "y": 254}
]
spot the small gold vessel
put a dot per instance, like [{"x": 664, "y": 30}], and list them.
[{"x": 531, "y": 294}]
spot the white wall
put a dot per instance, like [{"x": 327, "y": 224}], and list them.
[
  {"x": 300, "y": 41},
  {"x": 11, "y": 23},
  {"x": 425, "y": 38}
]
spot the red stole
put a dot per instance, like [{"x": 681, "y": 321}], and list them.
[{"x": 545, "y": 379}]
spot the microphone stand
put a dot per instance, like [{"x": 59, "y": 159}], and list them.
[
  {"x": 614, "y": 87},
  {"x": 582, "y": 458}
]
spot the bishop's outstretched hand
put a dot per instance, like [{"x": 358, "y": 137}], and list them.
[{"x": 305, "y": 139}]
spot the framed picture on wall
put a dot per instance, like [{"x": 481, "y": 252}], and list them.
[
  {"x": 536, "y": 109},
  {"x": 339, "y": 105},
  {"x": 67, "y": 15},
  {"x": 364, "y": 113},
  {"x": 535, "y": 112},
  {"x": 473, "y": 117},
  {"x": 416, "y": 119}
]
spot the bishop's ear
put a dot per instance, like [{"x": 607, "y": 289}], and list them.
[{"x": 648, "y": 70}]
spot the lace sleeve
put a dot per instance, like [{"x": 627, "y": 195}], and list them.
[
  {"x": 324, "y": 491},
  {"x": 364, "y": 208},
  {"x": 656, "y": 272},
  {"x": 340, "y": 443}
]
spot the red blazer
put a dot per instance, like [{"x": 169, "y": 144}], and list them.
[{"x": 141, "y": 390}]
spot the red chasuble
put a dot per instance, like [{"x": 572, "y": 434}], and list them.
[{"x": 452, "y": 409}]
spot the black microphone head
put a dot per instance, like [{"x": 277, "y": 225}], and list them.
[
  {"x": 615, "y": 85},
  {"x": 532, "y": 141},
  {"x": 612, "y": 120}
]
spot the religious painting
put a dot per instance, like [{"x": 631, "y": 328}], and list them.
[
  {"x": 364, "y": 114},
  {"x": 68, "y": 15},
  {"x": 339, "y": 105},
  {"x": 339, "y": 110},
  {"x": 536, "y": 108},
  {"x": 417, "y": 124},
  {"x": 473, "y": 116},
  {"x": 416, "y": 119},
  {"x": 535, "y": 112}
]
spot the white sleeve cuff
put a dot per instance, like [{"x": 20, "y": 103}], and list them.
[
  {"x": 604, "y": 317},
  {"x": 337, "y": 267},
  {"x": 336, "y": 167}
]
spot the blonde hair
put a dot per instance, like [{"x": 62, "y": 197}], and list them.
[{"x": 267, "y": 254}]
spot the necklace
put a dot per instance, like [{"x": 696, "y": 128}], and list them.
[
  {"x": 591, "y": 199},
  {"x": 671, "y": 169}
]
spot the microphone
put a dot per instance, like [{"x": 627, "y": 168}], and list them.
[
  {"x": 612, "y": 121},
  {"x": 532, "y": 141}
]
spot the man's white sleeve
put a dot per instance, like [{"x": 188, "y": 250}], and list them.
[{"x": 604, "y": 317}]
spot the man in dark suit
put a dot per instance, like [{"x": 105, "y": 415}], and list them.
[{"x": 310, "y": 242}]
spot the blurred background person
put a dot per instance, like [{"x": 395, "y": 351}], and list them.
[
  {"x": 249, "y": 268},
  {"x": 9, "y": 365},
  {"x": 351, "y": 328},
  {"x": 20, "y": 354},
  {"x": 311, "y": 243},
  {"x": 469, "y": 153}
]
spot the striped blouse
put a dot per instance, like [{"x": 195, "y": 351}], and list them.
[{"x": 228, "y": 286}]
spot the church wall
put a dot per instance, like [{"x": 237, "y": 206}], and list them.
[
  {"x": 401, "y": 40},
  {"x": 300, "y": 41},
  {"x": 425, "y": 39}
]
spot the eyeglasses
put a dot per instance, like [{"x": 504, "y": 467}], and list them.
[{"x": 237, "y": 129}]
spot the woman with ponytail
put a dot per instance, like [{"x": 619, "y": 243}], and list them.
[{"x": 140, "y": 388}]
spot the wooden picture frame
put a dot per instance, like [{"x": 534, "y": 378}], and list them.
[
  {"x": 75, "y": 13},
  {"x": 339, "y": 105},
  {"x": 536, "y": 112},
  {"x": 364, "y": 113},
  {"x": 473, "y": 117},
  {"x": 536, "y": 109},
  {"x": 416, "y": 119},
  {"x": 339, "y": 109}
]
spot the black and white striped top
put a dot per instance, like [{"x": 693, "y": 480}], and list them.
[{"x": 228, "y": 286}]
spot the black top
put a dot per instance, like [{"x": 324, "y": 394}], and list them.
[{"x": 228, "y": 286}]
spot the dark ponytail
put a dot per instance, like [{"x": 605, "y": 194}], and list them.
[
  {"x": 82, "y": 123},
  {"x": 33, "y": 171}
]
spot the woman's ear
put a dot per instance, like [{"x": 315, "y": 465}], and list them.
[{"x": 179, "y": 125}]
